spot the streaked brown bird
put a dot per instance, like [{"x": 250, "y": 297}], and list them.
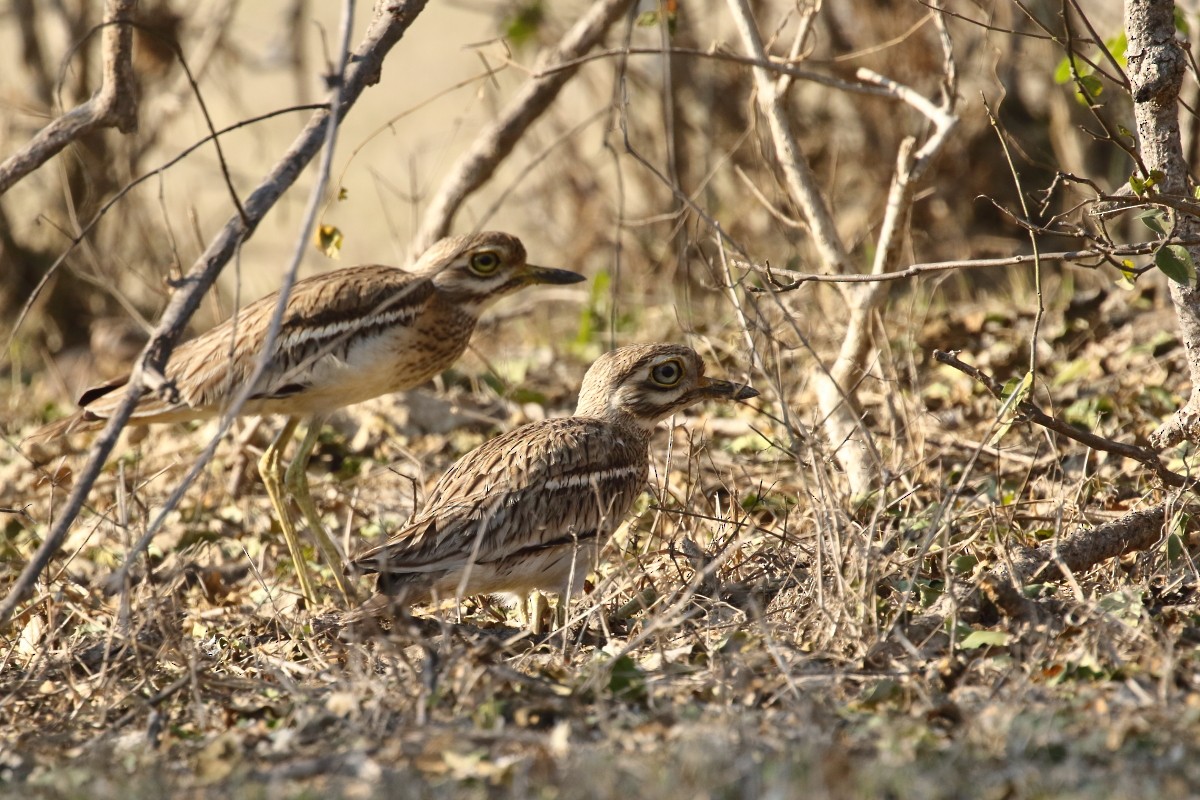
[
  {"x": 532, "y": 508},
  {"x": 347, "y": 336}
]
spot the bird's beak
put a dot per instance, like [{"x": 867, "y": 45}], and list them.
[
  {"x": 717, "y": 388},
  {"x": 535, "y": 274}
]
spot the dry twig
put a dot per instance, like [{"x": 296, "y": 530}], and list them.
[
  {"x": 391, "y": 20},
  {"x": 498, "y": 139},
  {"x": 1031, "y": 412},
  {"x": 114, "y": 106}
]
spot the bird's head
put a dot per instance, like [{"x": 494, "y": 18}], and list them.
[
  {"x": 474, "y": 271},
  {"x": 647, "y": 383}
]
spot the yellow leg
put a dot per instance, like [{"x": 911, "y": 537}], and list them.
[
  {"x": 537, "y": 609},
  {"x": 562, "y": 611},
  {"x": 270, "y": 467},
  {"x": 296, "y": 481}
]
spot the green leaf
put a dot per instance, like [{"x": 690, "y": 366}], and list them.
[
  {"x": 976, "y": 639},
  {"x": 1073, "y": 372},
  {"x": 1015, "y": 393},
  {"x": 1174, "y": 547},
  {"x": 1124, "y": 605},
  {"x": 964, "y": 565},
  {"x": 523, "y": 25},
  {"x": 1154, "y": 219},
  {"x": 1062, "y": 73},
  {"x": 1138, "y": 185},
  {"x": 1091, "y": 86},
  {"x": 626, "y": 679},
  {"x": 1176, "y": 263},
  {"x": 1117, "y": 47}
]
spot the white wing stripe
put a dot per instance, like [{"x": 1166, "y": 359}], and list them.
[
  {"x": 346, "y": 327},
  {"x": 589, "y": 478}
]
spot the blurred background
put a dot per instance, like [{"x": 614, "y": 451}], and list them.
[{"x": 602, "y": 183}]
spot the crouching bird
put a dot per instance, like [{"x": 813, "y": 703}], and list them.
[
  {"x": 532, "y": 508},
  {"x": 347, "y": 336}
]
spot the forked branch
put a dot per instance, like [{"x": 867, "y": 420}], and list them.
[
  {"x": 476, "y": 166},
  {"x": 114, "y": 106},
  {"x": 391, "y": 19}
]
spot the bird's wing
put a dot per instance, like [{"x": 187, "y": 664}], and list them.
[
  {"x": 325, "y": 313},
  {"x": 536, "y": 486}
]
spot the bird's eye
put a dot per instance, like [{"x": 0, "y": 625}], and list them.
[
  {"x": 668, "y": 373},
  {"x": 485, "y": 262}
]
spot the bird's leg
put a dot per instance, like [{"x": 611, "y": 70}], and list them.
[
  {"x": 296, "y": 481},
  {"x": 561, "y": 612},
  {"x": 522, "y": 603},
  {"x": 537, "y": 609},
  {"x": 270, "y": 467}
]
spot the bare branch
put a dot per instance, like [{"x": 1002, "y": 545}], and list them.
[
  {"x": 115, "y": 105},
  {"x": 498, "y": 139},
  {"x": 390, "y": 21},
  {"x": 801, "y": 183},
  {"x": 1076, "y": 553},
  {"x": 797, "y": 279},
  {"x": 1031, "y": 412}
]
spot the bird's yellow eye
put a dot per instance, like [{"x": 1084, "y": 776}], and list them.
[
  {"x": 668, "y": 373},
  {"x": 485, "y": 262}
]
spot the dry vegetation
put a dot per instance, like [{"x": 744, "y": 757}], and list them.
[{"x": 760, "y": 628}]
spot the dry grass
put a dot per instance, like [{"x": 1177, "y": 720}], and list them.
[
  {"x": 730, "y": 645},
  {"x": 746, "y": 634}
]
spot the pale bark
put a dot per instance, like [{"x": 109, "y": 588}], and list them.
[
  {"x": 476, "y": 166},
  {"x": 1157, "y": 63}
]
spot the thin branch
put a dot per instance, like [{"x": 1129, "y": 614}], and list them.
[
  {"x": 338, "y": 80},
  {"x": 796, "y": 279},
  {"x": 126, "y": 189},
  {"x": 390, "y": 21},
  {"x": 1030, "y": 411},
  {"x": 783, "y": 68},
  {"x": 115, "y": 105},
  {"x": 476, "y": 166},
  {"x": 801, "y": 183}
]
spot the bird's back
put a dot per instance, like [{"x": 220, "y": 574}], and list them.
[
  {"x": 329, "y": 336},
  {"x": 501, "y": 511}
]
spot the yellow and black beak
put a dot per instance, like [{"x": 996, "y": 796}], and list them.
[
  {"x": 725, "y": 390},
  {"x": 534, "y": 274}
]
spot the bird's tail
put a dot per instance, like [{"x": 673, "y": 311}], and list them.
[{"x": 60, "y": 429}]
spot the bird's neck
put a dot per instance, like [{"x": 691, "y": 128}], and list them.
[{"x": 633, "y": 427}]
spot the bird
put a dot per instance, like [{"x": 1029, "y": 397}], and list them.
[
  {"x": 532, "y": 508},
  {"x": 347, "y": 336}
]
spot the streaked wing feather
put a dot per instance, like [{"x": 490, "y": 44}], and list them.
[
  {"x": 324, "y": 314},
  {"x": 533, "y": 485}
]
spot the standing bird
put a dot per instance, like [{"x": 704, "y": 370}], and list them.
[
  {"x": 347, "y": 336},
  {"x": 532, "y": 508}
]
